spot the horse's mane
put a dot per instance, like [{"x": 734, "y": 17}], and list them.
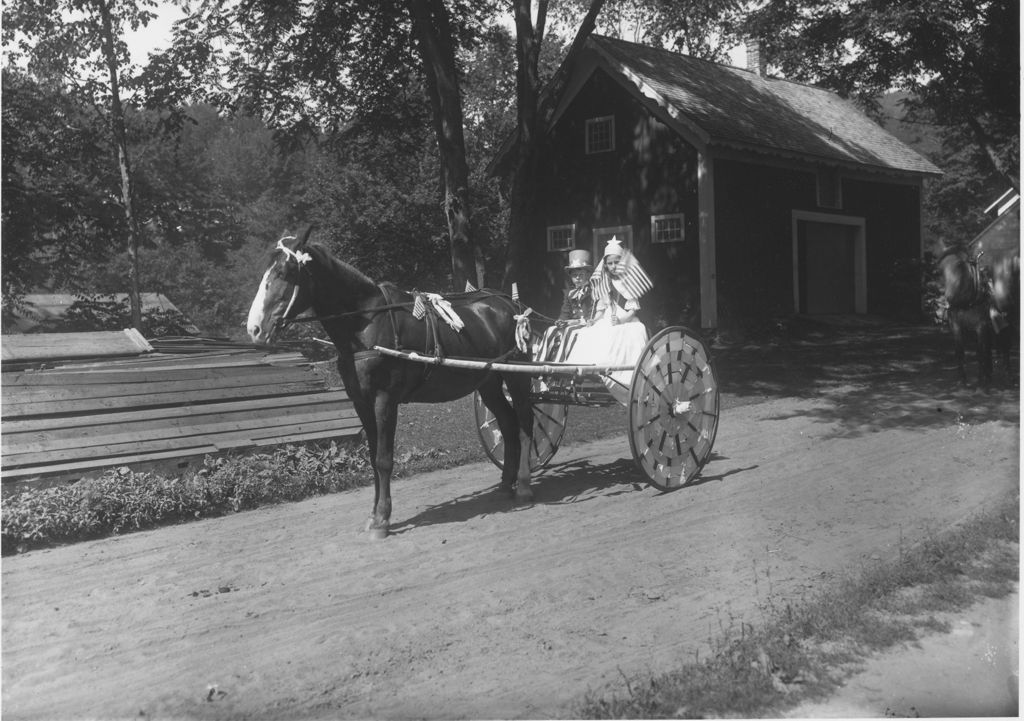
[{"x": 338, "y": 267}]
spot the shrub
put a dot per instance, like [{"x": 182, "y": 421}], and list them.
[{"x": 123, "y": 500}]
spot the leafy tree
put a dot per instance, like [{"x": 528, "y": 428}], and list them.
[
  {"x": 959, "y": 60},
  {"x": 57, "y": 205},
  {"x": 79, "y": 41},
  {"x": 705, "y": 29},
  {"x": 311, "y": 69}
]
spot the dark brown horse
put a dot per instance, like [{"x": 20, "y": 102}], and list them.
[
  {"x": 358, "y": 314},
  {"x": 983, "y": 303}
]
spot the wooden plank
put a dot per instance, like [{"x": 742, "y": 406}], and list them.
[
  {"x": 97, "y": 405},
  {"x": 77, "y": 391},
  {"x": 253, "y": 405},
  {"x": 203, "y": 360},
  {"x": 127, "y": 374},
  {"x": 208, "y": 360},
  {"x": 313, "y": 436},
  {"x": 35, "y": 346},
  {"x": 232, "y": 439},
  {"x": 97, "y": 463},
  {"x": 303, "y": 428},
  {"x": 40, "y": 442}
]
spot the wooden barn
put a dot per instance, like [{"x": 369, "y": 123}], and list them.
[{"x": 744, "y": 196}]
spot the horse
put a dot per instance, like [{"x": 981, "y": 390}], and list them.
[
  {"x": 986, "y": 307},
  {"x": 358, "y": 314}
]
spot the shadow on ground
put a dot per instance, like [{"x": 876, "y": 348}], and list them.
[{"x": 873, "y": 375}]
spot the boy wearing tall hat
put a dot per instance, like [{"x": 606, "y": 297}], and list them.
[{"x": 579, "y": 298}]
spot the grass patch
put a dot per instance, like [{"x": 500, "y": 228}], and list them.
[{"x": 804, "y": 650}]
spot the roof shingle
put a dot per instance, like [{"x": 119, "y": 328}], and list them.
[{"x": 739, "y": 108}]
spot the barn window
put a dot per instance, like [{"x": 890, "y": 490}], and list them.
[
  {"x": 600, "y": 134},
  {"x": 830, "y": 188},
  {"x": 561, "y": 237},
  {"x": 668, "y": 228}
]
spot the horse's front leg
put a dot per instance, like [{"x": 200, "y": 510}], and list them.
[
  {"x": 519, "y": 389},
  {"x": 385, "y": 412}
]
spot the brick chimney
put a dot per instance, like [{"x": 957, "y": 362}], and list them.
[{"x": 755, "y": 60}]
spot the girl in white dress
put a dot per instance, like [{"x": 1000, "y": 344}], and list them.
[{"x": 616, "y": 337}]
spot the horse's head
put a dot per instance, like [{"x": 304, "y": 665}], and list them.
[{"x": 284, "y": 290}]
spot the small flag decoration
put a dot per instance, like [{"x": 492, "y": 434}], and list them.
[{"x": 419, "y": 308}]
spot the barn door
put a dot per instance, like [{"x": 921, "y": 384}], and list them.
[{"x": 827, "y": 267}]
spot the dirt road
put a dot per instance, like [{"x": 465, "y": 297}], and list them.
[{"x": 478, "y": 609}]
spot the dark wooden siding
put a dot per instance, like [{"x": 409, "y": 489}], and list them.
[
  {"x": 754, "y": 241},
  {"x": 753, "y": 238},
  {"x": 892, "y": 215},
  {"x": 651, "y": 172}
]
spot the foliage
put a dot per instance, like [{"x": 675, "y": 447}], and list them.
[
  {"x": 97, "y": 312},
  {"x": 699, "y": 28},
  {"x": 956, "y": 58},
  {"x": 122, "y": 500},
  {"x": 57, "y": 199}
]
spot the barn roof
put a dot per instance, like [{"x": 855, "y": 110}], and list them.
[{"x": 722, "y": 106}]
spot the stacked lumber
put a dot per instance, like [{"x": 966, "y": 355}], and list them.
[
  {"x": 35, "y": 348},
  {"x": 75, "y": 418}
]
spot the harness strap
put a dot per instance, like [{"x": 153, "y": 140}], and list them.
[{"x": 390, "y": 307}]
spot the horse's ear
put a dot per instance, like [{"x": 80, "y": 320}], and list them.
[{"x": 303, "y": 235}]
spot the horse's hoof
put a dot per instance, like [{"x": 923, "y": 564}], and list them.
[
  {"x": 524, "y": 496},
  {"x": 374, "y": 531}
]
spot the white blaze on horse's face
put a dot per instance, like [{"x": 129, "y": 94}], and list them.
[
  {"x": 257, "y": 325},
  {"x": 275, "y": 299}
]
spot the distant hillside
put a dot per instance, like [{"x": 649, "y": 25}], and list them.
[{"x": 920, "y": 136}]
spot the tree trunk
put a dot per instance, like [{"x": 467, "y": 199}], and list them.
[
  {"x": 117, "y": 126},
  {"x": 523, "y": 193},
  {"x": 987, "y": 144},
  {"x": 437, "y": 49}
]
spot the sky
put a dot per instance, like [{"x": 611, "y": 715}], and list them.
[{"x": 157, "y": 36}]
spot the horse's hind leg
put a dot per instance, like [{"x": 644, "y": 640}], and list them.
[
  {"x": 519, "y": 388},
  {"x": 985, "y": 343},
  {"x": 494, "y": 398},
  {"x": 956, "y": 329}
]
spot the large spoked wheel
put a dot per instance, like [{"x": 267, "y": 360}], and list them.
[
  {"x": 548, "y": 429},
  {"x": 673, "y": 408}
]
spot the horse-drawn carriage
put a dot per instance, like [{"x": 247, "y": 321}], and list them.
[
  {"x": 672, "y": 408},
  {"x": 399, "y": 347}
]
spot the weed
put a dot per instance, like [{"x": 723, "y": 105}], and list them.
[{"x": 754, "y": 673}]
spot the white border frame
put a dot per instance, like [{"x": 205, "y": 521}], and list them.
[
  {"x": 666, "y": 216},
  {"x": 611, "y": 134},
  {"x": 860, "y": 275},
  {"x": 572, "y": 239}
]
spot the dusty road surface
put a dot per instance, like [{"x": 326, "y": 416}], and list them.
[{"x": 475, "y": 608}]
